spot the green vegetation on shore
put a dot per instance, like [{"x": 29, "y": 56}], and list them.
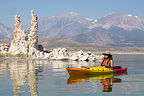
[{"x": 13, "y": 55}]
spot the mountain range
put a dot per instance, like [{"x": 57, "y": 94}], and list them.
[{"x": 114, "y": 29}]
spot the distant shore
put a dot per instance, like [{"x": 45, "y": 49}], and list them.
[
  {"x": 50, "y": 43},
  {"x": 97, "y": 53},
  {"x": 121, "y": 53}
]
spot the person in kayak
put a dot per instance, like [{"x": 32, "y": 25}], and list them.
[{"x": 107, "y": 61}]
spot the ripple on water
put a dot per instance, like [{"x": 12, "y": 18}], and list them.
[{"x": 42, "y": 77}]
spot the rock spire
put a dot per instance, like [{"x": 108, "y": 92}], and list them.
[{"x": 22, "y": 43}]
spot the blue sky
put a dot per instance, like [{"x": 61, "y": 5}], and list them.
[{"x": 88, "y": 8}]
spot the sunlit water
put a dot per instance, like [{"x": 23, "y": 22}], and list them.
[{"x": 21, "y": 77}]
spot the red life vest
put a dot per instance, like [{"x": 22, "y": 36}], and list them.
[{"x": 106, "y": 62}]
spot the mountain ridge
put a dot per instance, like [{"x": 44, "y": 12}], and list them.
[{"x": 114, "y": 29}]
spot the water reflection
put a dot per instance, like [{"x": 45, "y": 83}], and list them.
[
  {"x": 106, "y": 80},
  {"x": 108, "y": 83},
  {"x": 24, "y": 75},
  {"x": 62, "y": 65},
  {"x": 32, "y": 77}
]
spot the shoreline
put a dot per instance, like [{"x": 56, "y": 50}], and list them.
[
  {"x": 121, "y": 53},
  {"x": 2, "y": 55}
]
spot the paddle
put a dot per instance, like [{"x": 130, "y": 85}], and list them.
[{"x": 116, "y": 67}]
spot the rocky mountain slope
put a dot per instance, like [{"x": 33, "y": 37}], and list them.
[
  {"x": 114, "y": 29},
  {"x": 5, "y": 31},
  {"x": 126, "y": 22}
]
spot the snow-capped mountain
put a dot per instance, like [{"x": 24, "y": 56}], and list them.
[
  {"x": 114, "y": 29},
  {"x": 127, "y": 22}
]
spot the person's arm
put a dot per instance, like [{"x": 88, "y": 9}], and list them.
[
  {"x": 111, "y": 81},
  {"x": 100, "y": 63},
  {"x": 112, "y": 63}
]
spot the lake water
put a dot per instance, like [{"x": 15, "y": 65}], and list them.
[{"x": 21, "y": 77}]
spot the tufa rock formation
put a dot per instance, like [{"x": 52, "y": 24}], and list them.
[
  {"x": 83, "y": 56},
  {"x": 23, "y": 44},
  {"x": 33, "y": 37},
  {"x": 28, "y": 45},
  {"x": 4, "y": 48},
  {"x": 19, "y": 45}
]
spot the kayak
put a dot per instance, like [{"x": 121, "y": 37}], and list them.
[
  {"x": 98, "y": 70},
  {"x": 120, "y": 71},
  {"x": 90, "y": 71}
]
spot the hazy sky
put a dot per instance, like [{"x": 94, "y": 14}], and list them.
[{"x": 88, "y": 8}]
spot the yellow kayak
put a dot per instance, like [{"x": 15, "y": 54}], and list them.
[{"x": 90, "y": 71}]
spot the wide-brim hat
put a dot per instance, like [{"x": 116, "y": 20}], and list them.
[{"x": 106, "y": 53}]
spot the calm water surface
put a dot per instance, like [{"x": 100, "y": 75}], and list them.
[{"x": 20, "y": 77}]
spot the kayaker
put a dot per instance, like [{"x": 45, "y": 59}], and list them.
[{"x": 107, "y": 61}]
